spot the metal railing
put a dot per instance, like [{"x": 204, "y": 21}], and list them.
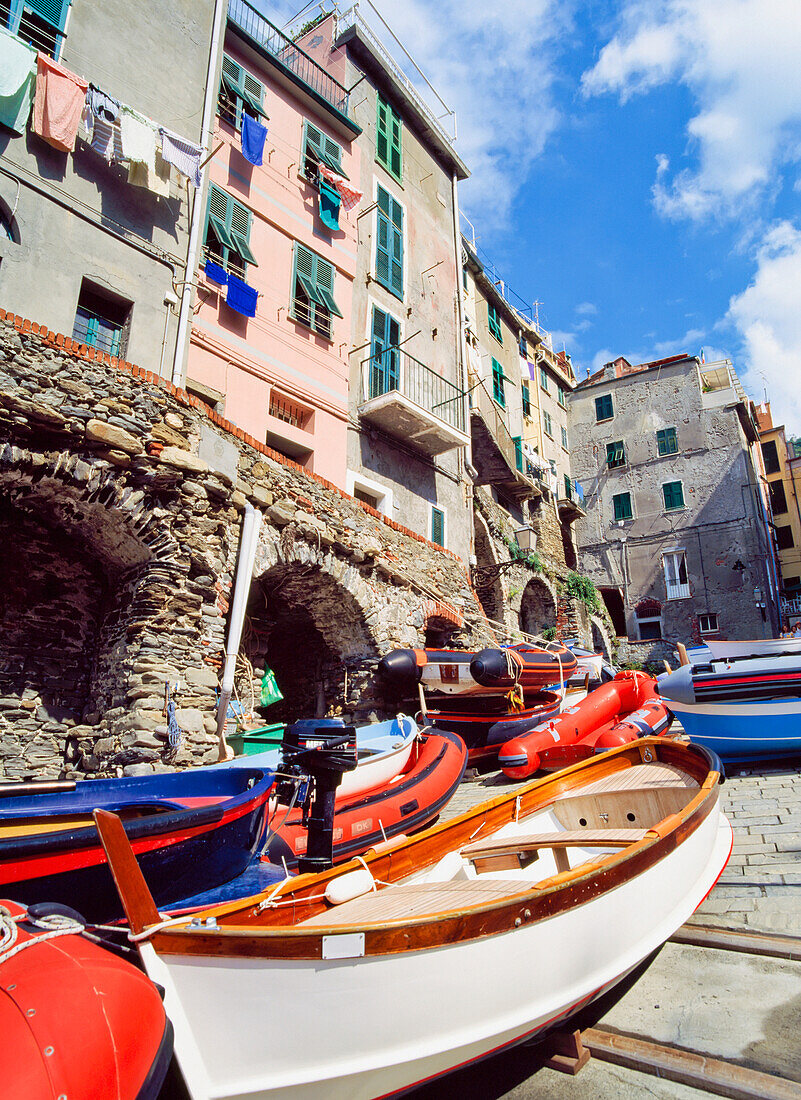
[
  {"x": 32, "y": 28},
  {"x": 791, "y": 607},
  {"x": 395, "y": 371},
  {"x": 354, "y": 18},
  {"x": 677, "y": 591},
  {"x": 492, "y": 416},
  {"x": 286, "y": 53}
]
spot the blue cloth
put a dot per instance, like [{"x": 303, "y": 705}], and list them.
[
  {"x": 330, "y": 202},
  {"x": 241, "y": 297},
  {"x": 253, "y": 135},
  {"x": 216, "y": 273}
]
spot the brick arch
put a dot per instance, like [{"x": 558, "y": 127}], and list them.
[{"x": 538, "y": 606}]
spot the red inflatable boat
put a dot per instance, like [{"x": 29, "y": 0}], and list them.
[
  {"x": 408, "y": 802},
  {"x": 614, "y": 714},
  {"x": 78, "y": 1022},
  {"x": 490, "y": 672}
]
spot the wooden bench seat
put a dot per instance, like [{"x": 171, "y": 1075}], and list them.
[{"x": 514, "y": 852}]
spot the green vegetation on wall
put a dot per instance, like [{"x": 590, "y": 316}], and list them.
[{"x": 582, "y": 589}]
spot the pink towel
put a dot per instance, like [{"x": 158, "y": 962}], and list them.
[{"x": 57, "y": 107}]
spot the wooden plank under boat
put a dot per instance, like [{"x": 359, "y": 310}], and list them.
[{"x": 445, "y": 947}]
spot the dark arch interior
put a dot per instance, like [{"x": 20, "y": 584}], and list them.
[
  {"x": 487, "y": 581},
  {"x": 537, "y": 608},
  {"x": 310, "y": 631}
]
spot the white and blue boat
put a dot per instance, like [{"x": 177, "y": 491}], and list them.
[{"x": 740, "y": 699}]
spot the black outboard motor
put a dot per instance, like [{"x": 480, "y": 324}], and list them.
[{"x": 325, "y": 754}]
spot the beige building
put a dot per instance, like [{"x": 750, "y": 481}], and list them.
[{"x": 783, "y": 475}]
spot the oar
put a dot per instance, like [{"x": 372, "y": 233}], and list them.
[{"x": 137, "y": 901}]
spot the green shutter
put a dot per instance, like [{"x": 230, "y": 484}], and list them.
[
  {"x": 568, "y": 487},
  {"x": 673, "y": 494},
  {"x": 615, "y": 454},
  {"x": 526, "y": 400},
  {"x": 518, "y": 442},
  {"x": 240, "y": 231},
  {"x": 242, "y": 88},
  {"x": 385, "y": 365},
  {"x": 382, "y": 134},
  {"x": 544, "y": 379},
  {"x": 497, "y": 383},
  {"x": 395, "y": 155},
  {"x": 666, "y": 441},
  {"x": 322, "y": 148},
  {"x": 494, "y": 322},
  {"x": 316, "y": 277},
  {"x": 54, "y": 11},
  {"x": 437, "y": 526},
  {"x": 389, "y": 133},
  {"x": 622, "y": 505},
  {"x": 389, "y": 243},
  {"x": 603, "y": 407}
]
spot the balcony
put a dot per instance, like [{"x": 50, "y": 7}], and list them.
[
  {"x": 497, "y": 455},
  {"x": 571, "y": 502},
  {"x": 408, "y": 400},
  {"x": 300, "y": 69}
]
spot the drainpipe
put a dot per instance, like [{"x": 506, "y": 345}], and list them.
[
  {"x": 457, "y": 246},
  {"x": 251, "y": 526},
  {"x": 209, "y": 105}
]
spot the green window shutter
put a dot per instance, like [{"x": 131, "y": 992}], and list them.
[
  {"x": 253, "y": 94},
  {"x": 389, "y": 133},
  {"x": 315, "y": 276},
  {"x": 622, "y": 505},
  {"x": 603, "y": 407},
  {"x": 389, "y": 243},
  {"x": 385, "y": 357},
  {"x": 54, "y": 11},
  {"x": 239, "y": 225},
  {"x": 546, "y": 422},
  {"x": 526, "y": 400},
  {"x": 673, "y": 493},
  {"x": 518, "y": 442},
  {"x": 325, "y": 285},
  {"x": 615, "y": 454},
  {"x": 242, "y": 89},
  {"x": 497, "y": 383},
  {"x": 666, "y": 441},
  {"x": 494, "y": 322},
  {"x": 395, "y": 153},
  {"x": 562, "y": 395},
  {"x": 322, "y": 148},
  {"x": 382, "y": 134},
  {"x": 568, "y": 487},
  {"x": 544, "y": 379},
  {"x": 437, "y": 526}
]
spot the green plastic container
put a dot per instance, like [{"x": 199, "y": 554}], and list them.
[{"x": 249, "y": 742}]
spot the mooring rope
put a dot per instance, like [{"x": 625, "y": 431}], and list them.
[{"x": 53, "y": 926}]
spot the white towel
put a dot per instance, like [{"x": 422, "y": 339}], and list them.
[
  {"x": 183, "y": 154},
  {"x": 138, "y": 138}
]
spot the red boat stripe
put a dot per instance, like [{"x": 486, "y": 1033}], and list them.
[
  {"x": 77, "y": 859},
  {"x": 727, "y": 681}
]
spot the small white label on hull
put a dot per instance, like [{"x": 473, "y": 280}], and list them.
[{"x": 350, "y": 946}]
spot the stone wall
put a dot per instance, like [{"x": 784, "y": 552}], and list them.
[{"x": 122, "y": 500}]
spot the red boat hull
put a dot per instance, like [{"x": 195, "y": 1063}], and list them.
[
  {"x": 409, "y": 802},
  {"x": 614, "y": 714},
  {"x": 79, "y": 1022}
]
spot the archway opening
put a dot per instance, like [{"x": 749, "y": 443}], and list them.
[
  {"x": 537, "y": 607},
  {"x": 486, "y": 579},
  {"x": 599, "y": 642},
  {"x": 310, "y": 631}
]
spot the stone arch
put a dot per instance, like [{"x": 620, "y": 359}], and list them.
[
  {"x": 487, "y": 581},
  {"x": 308, "y": 621},
  {"x": 600, "y": 638},
  {"x": 538, "y": 606}
]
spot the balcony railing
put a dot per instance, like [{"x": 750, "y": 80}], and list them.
[
  {"x": 395, "y": 371},
  {"x": 792, "y": 606},
  {"x": 677, "y": 591},
  {"x": 32, "y": 28},
  {"x": 493, "y": 417},
  {"x": 295, "y": 60}
]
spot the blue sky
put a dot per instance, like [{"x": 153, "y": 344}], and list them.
[{"x": 636, "y": 168}]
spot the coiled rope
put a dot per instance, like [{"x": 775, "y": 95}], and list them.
[{"x": 52, "y": 927}]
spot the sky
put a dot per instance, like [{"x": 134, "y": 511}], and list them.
[{"x": 636, "y": 170}]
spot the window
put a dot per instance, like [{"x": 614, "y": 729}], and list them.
[
  {"x": 437, "y": 526},
  {"x": 784, "y": 537},
  {"x": 518, "y": 442},
  {"x": 677, "y": 582},
  {"x": 384, "y": 354},
  {"x": 649, "y": 626},
  {"x": 494, "y": 322},
  {"x": 621, "y": 503},
  {"x": 227, "y": 234},
  {"x": 523, "y": 345},
  {"x": 389, "y": 243},
  {"x": 778, "y": 499},
  {"x": 770, "y": 456},
  {"x": 313, "y": 291},
  {"x": 282, "y": 408},
  {"x": 526, "y": 401},
  {"x": 319, "y": 149},
  {"x": 561, "y": 396},
  {"x": 546, "y": 423},
  {"x": 40, "y": 23},
  {"x": 544, "y": 379},
  {"x": 102, "y": 320},
  {"x": 603, "y": 407},
  {"x": 615, "y": 454},
  {"x": 673, "y": 494},
  {"x": 366, "y": 498},
  {"x": 564, "y": 437},
  {"x": 568, "y": 486},
  {"x": 388, "y": 140},
  {"x": 666, "y": 442},
  {"x": 708, "y": 624},
  {"x": 239, "y": 91},
  {"x": 498, "y": 379}
]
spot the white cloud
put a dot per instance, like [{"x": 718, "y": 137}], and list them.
[
  {"x": 768, "y": 321},
  {"x": 586, "y": 309},
  {"x": 739, "y": 58}
]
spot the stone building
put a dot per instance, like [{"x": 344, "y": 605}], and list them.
[
  {"x": 407, "y": 430},
  {"x": 82, "y": 248},
  {"x": 783, "y": 475},
  {"x": 281, "y": 375},
  {"x": 676, "y": 530}
]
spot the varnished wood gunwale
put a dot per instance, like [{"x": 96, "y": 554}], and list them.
[{"x": 268, "y": 935}]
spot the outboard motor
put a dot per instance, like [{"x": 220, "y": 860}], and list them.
[{"x": 324, "y": 751}]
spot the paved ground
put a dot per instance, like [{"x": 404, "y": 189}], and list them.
[{"x": 743, "y": 1008}]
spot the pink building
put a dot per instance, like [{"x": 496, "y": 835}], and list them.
[{"x": 282, "y": 228}]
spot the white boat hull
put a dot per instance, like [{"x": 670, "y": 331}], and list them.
[{"x": 366, "y": 1027}]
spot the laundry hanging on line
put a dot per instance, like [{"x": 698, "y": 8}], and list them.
[
  {"x": 241, "y": 297},
  {"x": 215, "y": 273},
  {"x": 58, "y": 103},
  {"x": 17, "y": 81},
  {"x": 138, "y": 135},
  {"x": 253, "y": 137},
  {"x": 183, "y": 154},
  {"x": 330, "y": 202},
  {"x": 349, "y": 195}
]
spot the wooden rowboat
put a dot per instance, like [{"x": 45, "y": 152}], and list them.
[{"x": 437, "y": 950}]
